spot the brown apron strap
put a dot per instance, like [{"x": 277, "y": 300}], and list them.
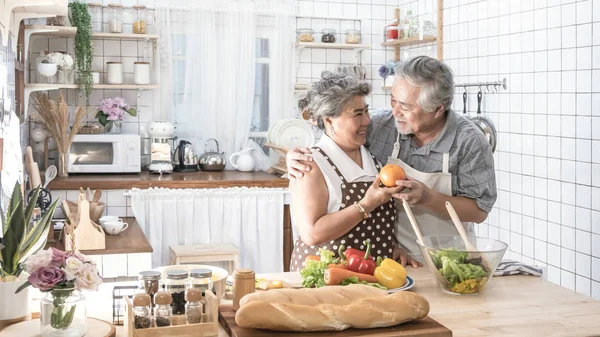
[{"x": 331, "y": 163}]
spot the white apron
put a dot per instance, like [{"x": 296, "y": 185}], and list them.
[{"x": 428, "y": 222}]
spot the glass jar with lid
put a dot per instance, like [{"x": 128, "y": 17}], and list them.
[
  {"x": 176, "y": 283},
  {"x": 194, "y": 306},
  {"x": 163, "y": 312},
  {"x": 95, "y": 10},
  {"x": 328, "y": 35},
  {"x": 353, "y": 36},
  {"x": 149, "y": 283},
  {"x": 305, "y": 35},
  {"x": 201, "y": 279},
  {"x": 141, "y": 311},
  {"x": 115, "y": 18},
  {"x": 139, "y": 19}
]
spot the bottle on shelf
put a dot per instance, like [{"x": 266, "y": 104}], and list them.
[{"x": 392, "y": 29}]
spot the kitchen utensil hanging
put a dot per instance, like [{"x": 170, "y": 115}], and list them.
[
  {"x": 484, "y": 124},
  {"x": 465, "y": 102}
]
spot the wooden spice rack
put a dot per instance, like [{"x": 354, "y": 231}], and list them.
[{"x": 179, "y": 327}]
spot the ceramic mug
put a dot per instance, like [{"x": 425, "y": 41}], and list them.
[
  {"x": 114, "y": 227},
  {"x": 108, "y": 218}
]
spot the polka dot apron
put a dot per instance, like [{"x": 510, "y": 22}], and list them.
[{"x": 379, "y": 227}]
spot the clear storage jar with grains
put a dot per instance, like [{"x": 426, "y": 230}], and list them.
[
  {"x": 176, "y": 283},
  {"x": 353, "y": 36},
  {"x": 142, "y": 317},
  {"x": 305, "y": 35},
  {"x": 115, "y": 18},
  {"x": 202, "y": 279},
  {"x": 163, "y": 312},
  {"x": 139, "y": 19}
]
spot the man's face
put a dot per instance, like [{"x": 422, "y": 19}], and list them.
[{"x": 410, "y": 118}]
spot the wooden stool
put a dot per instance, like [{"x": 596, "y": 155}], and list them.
[
  {"x": 31, "y": 328},
  {"x": 205, "y": 253}
]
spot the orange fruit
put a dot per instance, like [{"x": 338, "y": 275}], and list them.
[{"x": 391, "y": 173}]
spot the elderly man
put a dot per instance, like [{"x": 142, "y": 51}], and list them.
[{"x": 445, "y": 156}]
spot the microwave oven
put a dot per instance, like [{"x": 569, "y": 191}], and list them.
[{"x": 105, "y": 153}]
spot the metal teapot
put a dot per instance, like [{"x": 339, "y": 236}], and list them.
[{"x": 212, "y": 160}]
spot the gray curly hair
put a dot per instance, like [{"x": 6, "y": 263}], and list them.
[
  {"x": 329, "y": 96},
  {"x": 435, "y": 79}
]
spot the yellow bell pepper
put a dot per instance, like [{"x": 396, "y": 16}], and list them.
[{"x": 390, "y": 274}]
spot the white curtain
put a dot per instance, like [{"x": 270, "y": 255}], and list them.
[
  {"x": 207, "y": 66},
  {"x": 249, "y": 218}
]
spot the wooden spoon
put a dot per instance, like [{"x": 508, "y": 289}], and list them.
[
  {"x": 461, "y": 230},
  {"x": 97, "y": 195},
  {"x": 413, "y": 222}
]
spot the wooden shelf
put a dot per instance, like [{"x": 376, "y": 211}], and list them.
[
  {"x": 408, "y": 42},
  {"x": 348, "y": 46},
  {"x": 386, "y": 88},
  {"x": 122, "y": 36},
  {"x": 63, "y": 31},
  {"x": 44, "y": 86}
]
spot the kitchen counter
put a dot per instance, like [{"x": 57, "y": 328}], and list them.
[
  {"x": 146, "y": 179},
  {"x": 130, "y": 241},
  {"x": 511, "y": 306}
]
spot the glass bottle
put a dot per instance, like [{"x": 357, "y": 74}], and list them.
[
  {"x": 149, "y": 284},
  {"x": 305, "y": 35},
  {"x": 202, "y": 279},
  {"x": 115, "y": 18},
  {"x": 194, "y": 305},
  {"x": 139, "y": 19},
  {"x": 95, "y": 10},
  {"x": 175, "y": 284},
  {"x": 392, "y": 29},
  {"x": 142, "y": 318},
  {"x": 163, "y": 312},
  {"x": 353, "y": 36}
]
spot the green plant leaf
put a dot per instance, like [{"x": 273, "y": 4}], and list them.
[
  {"x": 132, "y": 112},
  {"x": 23, "y": 286},
  {"x": 12, "y": 240},
  {"x": 102, "y": 118},
  {"x": 37, "y": 237},
  {"x": 80, "y": 18},
  {"x": 15, "y": 199},
  {"x": 31, "y": 205}
]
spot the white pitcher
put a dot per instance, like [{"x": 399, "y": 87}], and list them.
[{"x": 243, "y": 160}]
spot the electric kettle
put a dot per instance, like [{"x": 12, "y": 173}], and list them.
[{"x": 184, "y": 158}]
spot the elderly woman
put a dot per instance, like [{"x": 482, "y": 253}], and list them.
[{"x": 340, "y": 201}]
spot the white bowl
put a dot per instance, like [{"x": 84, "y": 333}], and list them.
[{"x": 219, "y": 274}]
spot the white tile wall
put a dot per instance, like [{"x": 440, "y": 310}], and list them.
[{"x": 548, "y": 156}]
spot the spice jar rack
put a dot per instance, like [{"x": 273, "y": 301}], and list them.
[{"x": 179, "y": 327}]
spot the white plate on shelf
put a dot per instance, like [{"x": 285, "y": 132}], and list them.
[
  {"x": 293, "y": 133},
  {"x": 273, "y": 130},
  {"x": 407, "y": 285}
]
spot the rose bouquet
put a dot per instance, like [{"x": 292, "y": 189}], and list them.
[
  {"x": 60, "y": 274},
  {"x": 111, "y": 112}
]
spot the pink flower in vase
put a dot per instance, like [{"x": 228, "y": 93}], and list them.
[{"x": 46, "y": 278}]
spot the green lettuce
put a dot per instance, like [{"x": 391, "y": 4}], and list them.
[
  {"x": 354, "y": 280},
  {"x": 313, "y": 273}
]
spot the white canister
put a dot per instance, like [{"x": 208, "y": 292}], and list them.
[
  {"x": 95, "y": 77},
  {"x": 141, "y": 72},
  {"x": 114, "y": 72}
]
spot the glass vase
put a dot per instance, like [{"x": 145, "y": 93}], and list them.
[
  {"x": 114, "y": 127},
  {"x": 63, "y": 314},
  {"x": 63, "y": 164}
]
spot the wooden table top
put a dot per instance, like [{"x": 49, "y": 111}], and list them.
[
  {"x": 511, "y": 306},
  {"x": 145, "y": 179},
  {"x": 130, "y": 241}
]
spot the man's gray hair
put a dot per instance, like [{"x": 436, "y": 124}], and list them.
[
  {"x": 329, "y": 96},
  {"x": 433, "y": 77}
]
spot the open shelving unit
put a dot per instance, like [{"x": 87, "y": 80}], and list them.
[
  {"x": 33, "y": 32},
  {"x": 438, "y": 39}
]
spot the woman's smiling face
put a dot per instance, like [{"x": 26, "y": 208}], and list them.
[{"x": 349, "y": 130}]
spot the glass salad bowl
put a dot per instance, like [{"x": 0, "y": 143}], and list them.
[{"x": 457, "y": 270}]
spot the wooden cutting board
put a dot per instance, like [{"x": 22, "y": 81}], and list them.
[{"x": 426, "y": 327}]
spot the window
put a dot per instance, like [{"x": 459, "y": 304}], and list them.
[{"x": 261, "y": 107}]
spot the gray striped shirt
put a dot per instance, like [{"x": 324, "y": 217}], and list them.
[{"x": 471, "y": 158}]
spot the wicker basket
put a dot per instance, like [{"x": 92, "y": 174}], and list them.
[{"x": 90, "y": 129}]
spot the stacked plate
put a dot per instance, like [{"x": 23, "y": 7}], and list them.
[{"x": 291, "y": 133}]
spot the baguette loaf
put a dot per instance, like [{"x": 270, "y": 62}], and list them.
[
  {"x": 374, "y": 312},
  {"x": 338, "y": 295}
]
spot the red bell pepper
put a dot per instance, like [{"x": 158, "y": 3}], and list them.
[
  {"x": 353, "y": 251},
  {"x": 362, "y": 264}
]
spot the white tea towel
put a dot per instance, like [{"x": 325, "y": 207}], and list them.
[{"x": 510, "y": 267}]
